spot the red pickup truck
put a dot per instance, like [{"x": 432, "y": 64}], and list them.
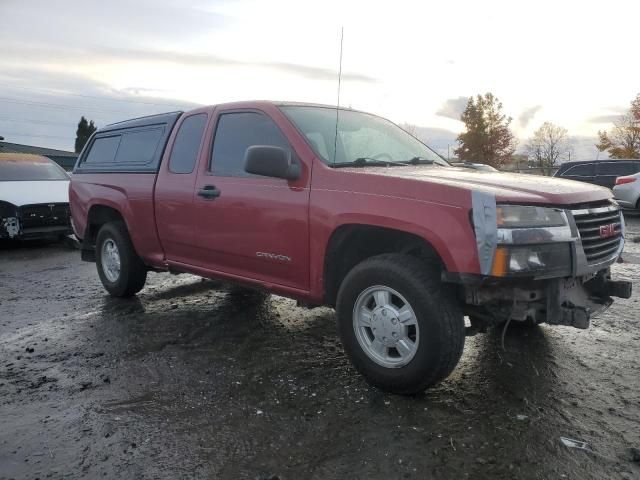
[{"x": 342, "y": 208}]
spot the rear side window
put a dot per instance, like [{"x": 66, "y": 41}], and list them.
[
  {"x": 136, "y": 149},
  {"x": 235, "y": 133},
  {"x": 139, "y": 146},
  {"x": 617, "y": 168},
  {"x": 187, "y": 144},
  {"x": 584, "y": 170},
  {"x": 103, "y": 150}
]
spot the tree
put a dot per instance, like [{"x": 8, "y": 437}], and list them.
[
  {"x": 409, "y": 128},
  {"x": 548, "y": 144},
  {"x": 84, "y": 131},
  {"x": 623, "y": 141},
  {"x": 488, "y": 138}
]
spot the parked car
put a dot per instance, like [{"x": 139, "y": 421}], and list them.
[
  {"x": 627, "y": 191},
  {"x": 475, "y": 166},
  {"x": 34, "y": 198},
  {"x": 598, "y": 172},
  {"x": 401, "y": 244}
]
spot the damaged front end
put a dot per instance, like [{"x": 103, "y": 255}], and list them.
[
  {"x": 566, "y": 301},
  {"x": 543, "y": 264},
  {"x": 9, "y": 222},
  {"x": 37, "y": 221}
]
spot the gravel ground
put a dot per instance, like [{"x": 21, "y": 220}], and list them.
[{"x": 193, "y": 379}]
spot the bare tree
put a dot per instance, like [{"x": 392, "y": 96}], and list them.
[
  {"x": 409, "y": 128},
  {"x": 548, "y": 145}
]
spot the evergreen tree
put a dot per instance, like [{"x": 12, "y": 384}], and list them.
[{"x": 84, "y": 131}]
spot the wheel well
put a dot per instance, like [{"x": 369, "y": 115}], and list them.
[
  {"x": 98, "y": 216},
  {"x": 351, "y": 244}
]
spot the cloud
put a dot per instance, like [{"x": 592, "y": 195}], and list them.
[
  {"x": 97, "y": 55},
  {"x": 48, "y": 116},
  {"x": 208, "y": 60},
  {"x": 77, "y": 22},
  {"x": 453, "y": 107},
  {"x": 527, "y": 115},
  {"x": 604, "y": 118}
]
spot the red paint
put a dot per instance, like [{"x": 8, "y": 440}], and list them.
[{"x": 172, "y": 227}]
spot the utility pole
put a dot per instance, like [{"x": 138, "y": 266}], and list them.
[{"x": 448, "y": 155}]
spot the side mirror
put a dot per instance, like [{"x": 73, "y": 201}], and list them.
[{"x": 270, "y": 162}]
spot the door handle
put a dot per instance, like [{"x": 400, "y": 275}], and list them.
[{"x": 209, "y": 192}]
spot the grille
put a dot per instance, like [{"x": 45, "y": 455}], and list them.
[
  {"x": 591, "y": 223},
  {"x": 44, "y": 215}
]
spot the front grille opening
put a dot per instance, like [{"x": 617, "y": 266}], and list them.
[
  {"x": 44, "y": 215},
  {"x": 600, "y": 234}
]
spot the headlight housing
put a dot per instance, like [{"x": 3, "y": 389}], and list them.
[
  {"x": 520, "y": 216},
  {"x": 532, "y": 241},
  {"x": 544, "y": 260}
]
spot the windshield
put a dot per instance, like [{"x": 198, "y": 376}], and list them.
[
  {"x": 30, "y": 169},
  {"x": 362, "y": 138}
]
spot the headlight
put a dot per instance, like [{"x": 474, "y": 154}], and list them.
[
  {"x": 545, "y": 260},
  {"x": 519, "y": 216}
]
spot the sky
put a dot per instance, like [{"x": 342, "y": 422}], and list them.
[{"x": 574, "y": 63}]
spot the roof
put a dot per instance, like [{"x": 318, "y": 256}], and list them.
[
  {"x": 8, "y": 147},
  {"x": 23, "y": 157},
  {"x": 578, "y": 162}
]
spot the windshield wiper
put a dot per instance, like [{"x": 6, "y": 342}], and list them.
[
  {"x": 376, "y": 161},
  {"x": 421, "y": 161}
]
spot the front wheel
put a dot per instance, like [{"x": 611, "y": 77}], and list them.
[
  {"x": 121, "y": 270},
  {"x": 401, "y": 329}
]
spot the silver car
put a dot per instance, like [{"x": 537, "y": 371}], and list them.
[{"x": 627, "y": 191}]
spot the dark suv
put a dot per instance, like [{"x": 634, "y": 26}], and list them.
[{"x": 598, "y": 172}]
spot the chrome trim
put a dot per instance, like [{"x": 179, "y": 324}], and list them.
[
  {"x": 535, "y": 235},
  {"x": 593, "y": 211},
  {"x": 582, "y": 266}
]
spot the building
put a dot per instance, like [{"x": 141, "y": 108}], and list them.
[{"x": 63, "y": 158}]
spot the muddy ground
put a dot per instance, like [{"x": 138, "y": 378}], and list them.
[{"x": 193, "y": 379}]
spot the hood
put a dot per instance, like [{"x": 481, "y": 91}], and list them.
[
  {"x": 506, "y": 187},
  {"x": 28, "y": 193}
]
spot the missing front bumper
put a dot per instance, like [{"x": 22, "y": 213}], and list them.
[{"x": 567, "y": 301}]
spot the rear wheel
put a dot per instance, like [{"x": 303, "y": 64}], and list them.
[
  {"x": 121, "y": 270},
  {"x": 401, "y": 329}
]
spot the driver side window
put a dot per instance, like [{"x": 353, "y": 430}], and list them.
[{"x": 235, "y": 133}]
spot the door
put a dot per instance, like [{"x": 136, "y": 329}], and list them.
[
  {"x": 583, "y": 172},
  {"x": 248, "y": 225},
  {"x": 174, "y": 191}
]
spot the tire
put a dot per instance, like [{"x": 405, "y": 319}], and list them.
[
  {"x": 113, "y": 246},
  {"x": 432, "y": 339}
]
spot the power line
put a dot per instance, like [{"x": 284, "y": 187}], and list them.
[
  {"x": 35, "y": 89},
  {"x": 35, "y": 122},
  {"x": 37, "y": 136},
  {"x": 58, "y": 106}
]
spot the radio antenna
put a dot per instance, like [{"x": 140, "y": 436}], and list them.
[{"x": 335, "y": 138}]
